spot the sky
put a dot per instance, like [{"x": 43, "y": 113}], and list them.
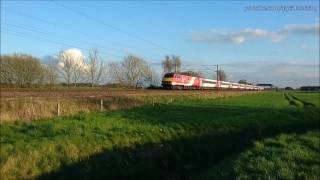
[{"x": 263, "y": 42}]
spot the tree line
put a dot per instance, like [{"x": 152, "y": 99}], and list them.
[{"x": 71, "y": 68}]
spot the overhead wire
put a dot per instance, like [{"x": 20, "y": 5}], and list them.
[
  {"x": 35, "y": 18},
  {"x": 28, "y": 28},
  {"x": 80, "y": 32},
  {"x": 109, "y": 25},
  {"x": 99, "y": 22},
  {"x": 28, "y": 36},
  {"x": 85, "y": 34}
]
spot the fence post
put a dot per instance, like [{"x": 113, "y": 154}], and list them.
[
  {"x": 31, "y": 106},
  {"x": 58, "y": 108},
  {"x": 101, "y": 105}
]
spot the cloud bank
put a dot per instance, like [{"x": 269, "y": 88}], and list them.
[
  {"x": 239, "y": 37},
  {"x": 294, "y": 74}
]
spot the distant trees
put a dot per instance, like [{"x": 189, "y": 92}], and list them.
[
  {"x": 132, "y": 71},
  {"x": 21, "y": 69},
  {"x": 191, "y": 73},
  {"x": 171, "y": 64},
  {"x": 242, "y": 81}
]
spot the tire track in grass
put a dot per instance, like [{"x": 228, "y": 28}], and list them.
[
  {"x": 291, "y": 101},
  {"x": 305, "y": 104}
]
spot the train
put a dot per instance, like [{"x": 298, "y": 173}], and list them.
[{"x": 180, "y": 81}]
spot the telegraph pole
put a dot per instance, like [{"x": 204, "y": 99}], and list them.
[
  {"x": 217, "y": 85},
  {"x": 217, "y": 72}
]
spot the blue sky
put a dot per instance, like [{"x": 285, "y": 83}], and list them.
[{"x": 262, "y": 46}]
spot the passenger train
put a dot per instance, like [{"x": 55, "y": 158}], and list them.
[{"x": 179, "y": 81}]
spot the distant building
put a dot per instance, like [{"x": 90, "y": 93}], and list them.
[
  {"x": 288, "y": 89},
  {"x": 267, "y": 86},
  {"x": 310, "y": 88}
]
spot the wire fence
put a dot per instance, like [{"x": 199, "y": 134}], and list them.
[{"x": 35, "y": 108}]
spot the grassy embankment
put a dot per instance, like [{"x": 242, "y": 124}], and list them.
[
  {"x": 173, "y": 141},
  {"x": 35, "y": 108}
]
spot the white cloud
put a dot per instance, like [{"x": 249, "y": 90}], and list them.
[
  {"x": 239, "y": 37},
  {"x": 300, "y": 29}
]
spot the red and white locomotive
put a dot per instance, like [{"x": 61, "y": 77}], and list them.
[{"x": 179, "y": 81}]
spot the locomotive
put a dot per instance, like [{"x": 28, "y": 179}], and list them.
[{"x": 179, "y": 81}]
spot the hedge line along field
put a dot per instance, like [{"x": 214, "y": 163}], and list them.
[{"x": 188, "y": 138}]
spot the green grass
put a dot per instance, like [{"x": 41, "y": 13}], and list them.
[
  {"x": 288, "y": 156},
  {"x": 168, "y": 141},
  {"x": 313, "y": 98}
]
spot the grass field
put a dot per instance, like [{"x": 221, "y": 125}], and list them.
[
  {"x": 264, "y": 135},
  {"x": 31, "y": 105},
  {"x": 288, "y": 156}
]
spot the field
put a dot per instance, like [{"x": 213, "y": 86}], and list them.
[{"x": 261, "y": 135}]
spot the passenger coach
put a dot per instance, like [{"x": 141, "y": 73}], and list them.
[{"x": 179, "y": 81}]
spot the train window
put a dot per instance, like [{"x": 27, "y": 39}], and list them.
[
  {"x": 208, "y": 82},
  {"x": 168, "y": 75}
]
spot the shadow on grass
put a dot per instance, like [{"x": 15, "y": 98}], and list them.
[{"x": 182, "y": 157}]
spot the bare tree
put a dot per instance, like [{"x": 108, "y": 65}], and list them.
[
  {"x": 171, "y": 64},
  {"x": 71, "y": 65},
  {"x": 77, "y": 71},
  {"x": 167, "y": 64},
  {"x": 132, "y": 71},
  {"x": 152, "y": 78},
  {"x": 176, "y": 61},
  {"x": 116, "y": 73},
  {"x": 65, "y": 67},
  {"x": 51, "y": 75},
  {"x": 51, "y": 71},
  {"x": 21, "y": 69},
  {"x": 95, "y": 68},
  {"x": 7, "y": 69},
  {"x": 222, "y": 75}
]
